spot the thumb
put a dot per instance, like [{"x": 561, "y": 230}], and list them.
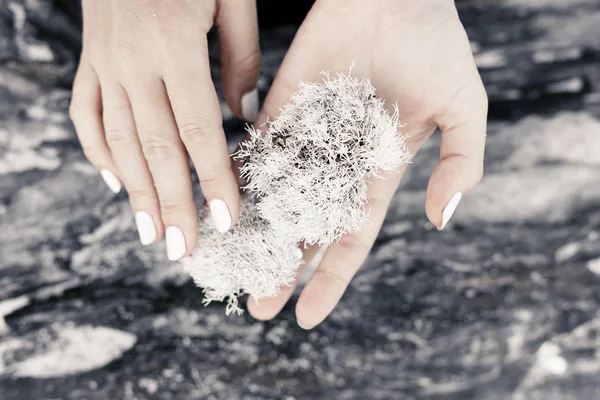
[
  {"x": 461, "y": 159},
  {"x": 240, "y": 56}
]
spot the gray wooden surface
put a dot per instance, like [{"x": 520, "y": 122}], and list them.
[{"x": 503, "y": 304}]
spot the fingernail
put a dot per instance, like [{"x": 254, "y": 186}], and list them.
[
  {"x": 145, "y": 226},
  {"x": 175, "y": 243},
  {"x": 220, "y": 213},
  {"x": 306, "y": 328},
  {"x": 111, "y": 180},
  {"x": 250, "y": 105},
  {"x": 450, "y": 208},
  {"x": 298, "y": 253}
]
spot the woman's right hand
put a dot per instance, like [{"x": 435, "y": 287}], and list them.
[{"x": 143, "y": 99}]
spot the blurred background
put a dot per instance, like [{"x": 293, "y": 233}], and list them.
[{"x": 503, "y": 304}]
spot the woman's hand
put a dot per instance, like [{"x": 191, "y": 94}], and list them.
[
  {"x": 416, "y": 54},
  {"x": 143, "y": 100}
]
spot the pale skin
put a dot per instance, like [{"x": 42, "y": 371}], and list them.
[
  {"x": 416, "y": 54},
  {"x": 143, "y": 100}
]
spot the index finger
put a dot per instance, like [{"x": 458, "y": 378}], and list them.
[{"x": 343, "y": 259}]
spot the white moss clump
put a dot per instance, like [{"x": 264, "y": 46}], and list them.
[
  {"x": 249, "y": 259},
  {"x": 309, "y": 170},
  {"x": 308, "y": 174}
]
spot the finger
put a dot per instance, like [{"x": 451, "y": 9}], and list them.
[
  {"x": 199, "y": 122},
  {"x": 461, "y": 156},
  {"x": 343, "y": 259},
  {"x": 240, "y": 56},
  {"x": 122, "y": 139},
  {"x": 306, "y": 66},
  {"x": 86, "y": 112},
  {"x": 267, "y": 308},
  {"x": 296, "y": 67},
  {"x": 168, "y": 164}
]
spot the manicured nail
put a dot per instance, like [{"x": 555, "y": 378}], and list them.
[
  {"x": 306, "y": 328},
  {"x": 250, "y": 105},
  {"x": 450, "y": 208},
  {"x": 145, "y": 227},
  {"x": 220, "y": 213},
  {"x": 111, "y": 180},
  {"x": 175, "y": 243},
  {"x": 298, "y": 253}
]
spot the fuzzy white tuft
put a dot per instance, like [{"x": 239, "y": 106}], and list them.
[
  {"x": 249, "y": 259},
  {"x": 309, "y": 170}
]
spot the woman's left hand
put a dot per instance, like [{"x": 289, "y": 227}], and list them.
[{"x": 416, "y": 54}]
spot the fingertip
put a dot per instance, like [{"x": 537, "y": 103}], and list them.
[
  {"x": 448, "y": 211},
  {"x": 240, "y": 56},
  {"x": 111, "y": 180},
  {"x": 190, "y": 230},
  {"x": 305, "y": 327},
  {"x": 234, "y": 205},
  {"x": 240, "y": 90},
  {"x": 318, "y": 299},
  {"x": 250, "y": 105},
  {"x": 450, "y": 180},
  {"x": 192, "y": 239},
  {"x": 221, "y": 215},
  {"x": 222, "y": 195},
  {"x": 225, "y": 209},
  {"x": 146, "y": 227},
  {"x": 180, "y": 240},
  {"x": 259, "y": 311},
  {"x": 175, "y": 243},
  {"x": 266, "y": 309}
]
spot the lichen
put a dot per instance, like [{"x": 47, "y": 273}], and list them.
[
  {"x": 249, "y": 259},
  {"x": 309, "y": 167},
  {"x": 308, "y": 173}
]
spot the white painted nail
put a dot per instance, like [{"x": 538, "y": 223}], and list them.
[
  {"x": 450, "y": 208},
  {"x": 220, "y": 213},
  {"x": 146, "y": 227},
  {"x": 175, "y": 243},
  {"x": 298, "y": 253},
  {"x": 305, "y": 327},
  {"x": 111, "y": 180},
  {"x": 250, "y": 105}
]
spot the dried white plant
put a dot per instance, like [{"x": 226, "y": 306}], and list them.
[
  {"x": 249, "y": 259},
  {"x": 310, "y": 167}
]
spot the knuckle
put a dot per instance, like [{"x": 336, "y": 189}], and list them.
[
  {"x": 354, "y": 242},
  {"x": 118, "y": 137},
  {"x": 170, "y": 207},
  {"x": 157, "y": 150},
  {"x": 334, "y": 276},
  {"x": 166, "y": 28},
  {"x": 194, "y": 134},
  {"x": 418, "y": 137},
  {"x": 214, "y": 183},
  {"x": 124, "y": 52},
  {"x": 172, "y": 46},
  {"x": 250, "y": 63},
  {"x": 139, "y": 196},
  {"x": 118, "y": 108},
  {"x": 209, "y": 182}
]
